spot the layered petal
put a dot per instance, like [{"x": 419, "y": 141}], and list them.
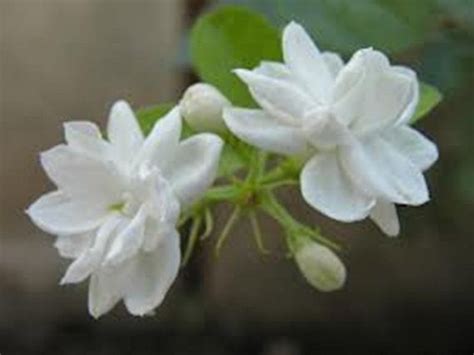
[
  {"x": 280, "y": 98},
  {"x": 106, "y": 289},
  {"x": 325, "y": 186},
  {"x": 163, "y": 203},
  {"x": 333, "y": 62},
  {"x": 123, "y": 132},
  {"x": 156, "y": 233},
  {"x": 274, "y": 70},
  {"x": 306, "y": 62},
  {"x": 81, "y": 176},
  {"x": 162, "y": 142},
  {"x": 85, "y": 137},
  {"x": 380, "y": 170},
  {"x": 56, "y": 213},
  {"x": 324, "y": 131},
  {"x": 371, "y": 95},
  {"x": 141, "y": 281},
  {"x": 413, "y": 145},
  {"x": 92, "y": 257},
  {"x": 384, "y": 214},
  {"x": 128, "y": 241},
  {"x": 151, "y": 276},
  {"x": 258, "y": 129},
  {"x": 414, "y": 95},
  {"x": 72, "y": 246},
  {"x": 194, "y": 166}
]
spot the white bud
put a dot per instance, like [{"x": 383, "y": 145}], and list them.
[
  {"x": 201, "y": 107},
  {"x": 321, "y": 267}
]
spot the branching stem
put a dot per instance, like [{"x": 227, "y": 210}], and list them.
[
  {"x": 257, "y": 233},
  {"x": 227, "y": 229},
  {"x": 193, "y": 236}
]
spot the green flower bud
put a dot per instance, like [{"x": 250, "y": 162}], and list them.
[
  {"x": 320, "y": 266},
  {"x": 201, "y": 107}
]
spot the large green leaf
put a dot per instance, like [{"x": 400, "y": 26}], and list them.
[
  {"x": 429, "y": 98},
  {"x": 232, "y": 37},
  {"x": 348, "y": 25}
]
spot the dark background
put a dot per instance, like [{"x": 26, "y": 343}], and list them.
[{"x": 62, "y": 60}]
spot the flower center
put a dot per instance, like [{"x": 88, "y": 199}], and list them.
[
  {"x": 138, "y": 192},
  {"x": 323, "y": 130}
]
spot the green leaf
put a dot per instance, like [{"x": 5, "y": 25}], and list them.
[
  {"x": 232, "y": 37},
  {"x": 148, "y": 116},
  {"x": 347, "y": 25},
  {"x": 429, "y": 98}
]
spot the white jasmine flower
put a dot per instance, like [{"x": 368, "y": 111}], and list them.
[
  {"x": 201, "y": 107},
  {"x": 320, "y": 266},
  {"x": 117, "y": 204},
  {"x": 351, "y": 120}
]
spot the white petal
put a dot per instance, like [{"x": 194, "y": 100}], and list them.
[
  {"x": 325, "y": 187},
  {"x": 91, "y": 258},
  {"x": 194, "y": 167},
  {"x": 124, "y": 132},
  {"x": 128, "y": 241},
  {"x": 164, "y": 205},
  {"x": 82, "y": 176},
  {"x": 151, "y": 276},
  {"x": 87, "y": 128},
  {"x": 280, "y": 98},
  {"x": 85, "y": 137},
  {"x": 376, "y": 167},
  {"x": 258, "y": 129},
  {"x": 72, "y": 246},
  {"x": 384, "y": 214},
  {"x": 333, "y": 62},
  {"x": 55, "y": 213},
  {"x": 306, "y": 62},
  {"x": 414, "y": 95},
  {"x": 105, "y": 290},
  {"x": 162, "y": 142},
  {"x": 371, "y": 95},
  {"x": 274, "y": 70},
  {"x": 413, "y": 145},
  {"x": 156, "y": 233},
  {"x": 142, "y": 281},
  {"x": 324, "y": 131}
]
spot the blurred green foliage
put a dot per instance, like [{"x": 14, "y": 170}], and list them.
[
  {"x": 347, "y": 25},
  {"x": 230, "y": 38}
]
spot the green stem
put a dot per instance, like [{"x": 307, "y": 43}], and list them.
[
  {"x": 209, "y": 222},
  {"x": 256, "y": 167},
  {"x": 257, "y": 233},
  {"x": 193, "y": 236},
  {"x": 276, "y": 184},
  {"x": 292, "y": 226},
  {"x": 221, "y": 193},
  {"x": 227, "y": 228}
]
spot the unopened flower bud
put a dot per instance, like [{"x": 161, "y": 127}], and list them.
[
  {"x": 321, "y": 267},
  {"x": 201, "y": 107}
]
